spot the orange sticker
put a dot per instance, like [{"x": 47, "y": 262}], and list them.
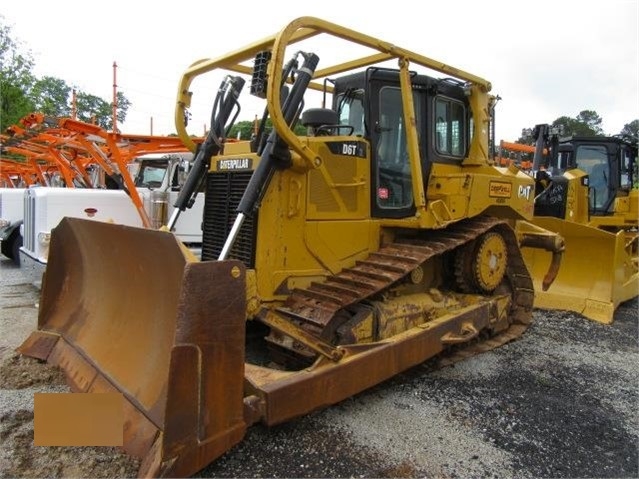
[{"x": 498, "y": 189}]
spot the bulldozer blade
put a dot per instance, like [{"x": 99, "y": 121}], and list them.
[
  {"x": 123, "y": 310},
  {"x": 598, "y": 271}
]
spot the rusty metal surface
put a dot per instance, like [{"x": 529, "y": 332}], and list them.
[
  {"x": 291, "y": 395},
  {"x": 321, "y": 301},
  {"x": 319, "y": 304},
  {"x": 175, "y": 348},
  {"x": 111, "y": 292},
  {"x": 286, "y": 396},
  {"x": 39, "y": 345},
  {"x": 122, "y": 310},
  {"x": 205, "y": 411}
]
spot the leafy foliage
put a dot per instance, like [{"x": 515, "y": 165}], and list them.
[
  {"x": 14, "y": 104},
  {"x": 241, "y": 130},
  {"x": 15, "y": 79},
  {"x": 50, "y": 95},
  {"x": 631, "y": 130},
  {"x": 22, "y": 93},
  {"x": 246, "y": 129},
  {"x": 586, "y": 123}
]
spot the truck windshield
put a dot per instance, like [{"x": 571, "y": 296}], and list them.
[{"x": 150, "y": 175}]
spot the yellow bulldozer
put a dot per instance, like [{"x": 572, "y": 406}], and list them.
[
  {"x": 587, "y": 192},
  {"x": 331, "y": 261}
]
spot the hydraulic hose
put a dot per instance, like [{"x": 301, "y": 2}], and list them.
[{"x": 225, "y": 102}]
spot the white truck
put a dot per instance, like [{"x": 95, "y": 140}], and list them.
[
  {"x": 11, "y": 215},
  {"x": 158, "y": 180},
  {"x": 12, "y": 211}
]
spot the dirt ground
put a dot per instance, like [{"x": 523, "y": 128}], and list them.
[{"x": 562, "y": 401}]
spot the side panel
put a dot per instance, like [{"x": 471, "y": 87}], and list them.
[
  {"x": 11, "y": 205},
  {"x": 45, "y": 207}
]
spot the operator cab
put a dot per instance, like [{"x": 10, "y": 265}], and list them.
[
  {"x": 610, "y": 164},
  {"x": 370, "y": 102},
  {"x": 165, "y": 172}
]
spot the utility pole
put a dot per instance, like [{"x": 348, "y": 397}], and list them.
[
  {"x": 115, "y": 100},
  {"x": 74, "y": 109}
]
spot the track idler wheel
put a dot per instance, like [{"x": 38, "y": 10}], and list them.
[{"x": 480, "y": 265}]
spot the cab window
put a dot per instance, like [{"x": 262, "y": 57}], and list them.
[
  {"x": 394, "y": 178},
  {"x": 593, "y": 159},
  {"x": 150, "y": 176},
  {"x": 450, "y": 133},
  {"x": 351, "y": 111},
  {"x": 628, "y": 175}
]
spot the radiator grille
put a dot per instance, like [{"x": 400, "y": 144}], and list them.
[
  {"x": 29, "y": 238},
  {"x": 223, "y": 193}
]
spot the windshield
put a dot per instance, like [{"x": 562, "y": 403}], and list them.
[
  {"x": 151, "y": 174},
  {"x": 351, "y": 110},
  {"x": 593, "y": 159}
]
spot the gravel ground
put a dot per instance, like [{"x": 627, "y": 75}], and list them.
[{"x": 562, "y": 401}]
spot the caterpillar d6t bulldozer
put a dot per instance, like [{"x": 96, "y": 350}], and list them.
[
  {"x": 331, "y": 260},
  {"x": 587, "y": 193}
]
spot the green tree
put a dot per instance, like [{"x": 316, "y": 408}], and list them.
[
  {"x": 50, "y": 96},
  {"x": 591, "y": 122},
  {"x": 22, "y": 93},
  {"x": 631, "y": 130},
  {"x": 586, "y": 123},
  {"x": 16, "y": 79},
  {"x": 93, "y": 109},
  {"x": 123, "y": 106},
  {"x": 246, "y": 129}
]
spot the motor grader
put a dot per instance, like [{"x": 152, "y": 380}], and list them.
[
  {"x": 331, "y": 261},
  {"x": 586, "y": 192}
]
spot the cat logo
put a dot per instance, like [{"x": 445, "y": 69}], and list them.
[{"x": 524, "y": 191}]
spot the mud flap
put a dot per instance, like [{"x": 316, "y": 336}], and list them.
[
  {"x": 123, "y": 310},
  {"x": 597, "y": 271}
]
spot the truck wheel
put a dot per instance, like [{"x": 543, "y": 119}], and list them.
[
  {"x": 15, "y": 248},
  {"x": 11, "y": 247}
]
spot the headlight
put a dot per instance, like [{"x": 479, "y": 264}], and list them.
[
  {"x": 44, "y": 238},
  {"x": 4, "y": 222}
]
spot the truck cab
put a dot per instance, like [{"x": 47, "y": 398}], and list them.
[
  {"x": 158, "y": 179},
  {"x": 10, "y": 221}
]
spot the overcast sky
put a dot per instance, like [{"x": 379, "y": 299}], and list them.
[{"x": 544, "y": 58}]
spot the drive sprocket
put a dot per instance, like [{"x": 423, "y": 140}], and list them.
[{"x": 480, "y": 265}]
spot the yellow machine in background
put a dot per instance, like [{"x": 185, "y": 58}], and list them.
[
  {"x": 587, "y": 193},
  {"x": 331, "y": 261}
]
